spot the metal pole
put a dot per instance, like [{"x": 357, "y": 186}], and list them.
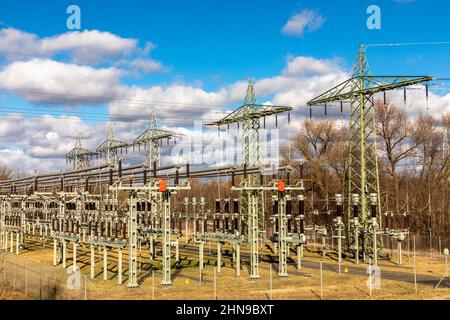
[
  {"x": 270, "y": 281},
  {"x": 26, "y": 276},
  {"x": 166, "y": 280},
  {"x": 440, "y": 252},
  {"x": 40, "y": 280},
  {"x": 200, "y": 262},
  {"x": 151, "y": 247},
  {"x": 321, "y": 280},
  {"x": 153, "y": 284},
  {"x": 85, "y": 287},
  {"x": 219, "y": 257},
  {"x": 215, "y": 285},
  {"x": 74, "y": 256},
  {"x": 186, "y": 231},
  {"x": 92, "y": 262},
  {"x": 357, "y": 245},
  {"x": 54, "y": 251},
  {"x": 414, "y": 259},
  {"x": 119, "y": 267},
  {"x": 17, "y": 242},
  {"x": 64, "y": 253},
  {"x": 238, "y": 259},
  {"x": 339, "y": 245},
  {"x": 375, "y": 251},
  {"x": 370, "y": 277},
  {"x": 105, "y": 263},
  {"x": 14, "y": 276},
  {"x": 299, "y": 258},
  {"x": 399, "y": 249}
]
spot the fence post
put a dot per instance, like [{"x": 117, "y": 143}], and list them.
[
  {"x": 215, "y": 285},
  {"x": 440, "y": 252},
  {"x": 54, "y": 282},
  {"x": 414, "y": 259},
  {"x": 153, "y": 284},
  {"x": 321, "y": 280},
  {"x": 14, "y": 273},
  {"x": 26, "y": 276},
  {"x": 370, "y": 277},
  {"x": 270, "y": 282},
  {"x": 40, "y": 280}
]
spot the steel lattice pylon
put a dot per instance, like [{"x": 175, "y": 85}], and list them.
[
  {"x": 109, "y": 147},
  {"x": 78, "y": 155},
  {"x": 363, "y": 178},
  {"x": 151, "y": 138},
  {"x": 251, "y": 210}
]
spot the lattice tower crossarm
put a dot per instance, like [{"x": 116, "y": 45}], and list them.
[
  {"x": 109, "y": 147},
  {"x": 151, "y": 138},
  {"x": 78, "y": 155}
]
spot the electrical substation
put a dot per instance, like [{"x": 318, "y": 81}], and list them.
[{"x": 113, "y": 209}]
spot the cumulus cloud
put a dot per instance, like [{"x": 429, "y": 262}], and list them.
[
  {"x": 176, "y": 103},
  {"x": 30, "y": 144},
  {"x": 305, "y": 21},
  {"x": 82, "y": 47},
  {"x": 27, "y": 144},
  {"x": 48, "y": 81},
  {"x": 88, "y": 46}
]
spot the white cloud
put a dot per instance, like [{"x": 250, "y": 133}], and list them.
[
  {"x": 30, "y": 144},
  {"x": 305, "y": 21},
  {"x": 88, "y": 46},
  {"x": 176, "y": 103},
  {"x": 48, "y": 81},
  {"x": 83, "y": 47},
  {"x": 146, "y": 65}
]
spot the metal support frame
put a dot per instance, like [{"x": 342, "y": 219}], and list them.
[{"x": 363, "y": 178}]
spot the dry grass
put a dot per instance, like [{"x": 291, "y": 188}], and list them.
[{"x": 186, "y": 278}]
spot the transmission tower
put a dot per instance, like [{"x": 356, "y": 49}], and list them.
[
  {"x": 78, "y": 155},
  {"x": 251, "y": 210},
  {"x": 109, "y": 147},
  {"x": 151, "y": 138},
  {"x": 363, "y": 177}
]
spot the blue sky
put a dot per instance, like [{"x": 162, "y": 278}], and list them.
[
  {"x": 207, "y": 40},
  {"x": 199, "y": 55}
]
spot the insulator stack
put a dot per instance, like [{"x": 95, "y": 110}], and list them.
[
  {"x": 355, "y": 211},
  {"x": 124, "y": 230},
  {"x": 373, "y": 209},
  {"x": 226, "y": 206},
  {"x": 235, "y": 206},
  {"x": 217, "y": 205},
  {"x": 339, "y": 210},
  {"x": 225, "y": 227},
  {"x": 275, "y": 207},
  {"x": 288, "y": 206}
]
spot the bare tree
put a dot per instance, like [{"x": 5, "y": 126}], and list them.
[
  {"x": 5, "y": 172},
  {"x": 399, "y": 140}
]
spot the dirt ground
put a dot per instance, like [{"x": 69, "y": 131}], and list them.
[{"x": 397, "y": 281}]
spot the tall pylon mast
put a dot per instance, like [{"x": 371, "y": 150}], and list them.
[
  {"x": 151, "y": 138},
  {"x": 109, "y": 147},
  {"x": 78, "y": 155},
  {"x": 359, "y": 90},
  {"x": 251, "y": 210}
]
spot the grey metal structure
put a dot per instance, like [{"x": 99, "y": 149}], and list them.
[
  {"x": 151, "y": 138},
  {"x": 78, "y": 155}
]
